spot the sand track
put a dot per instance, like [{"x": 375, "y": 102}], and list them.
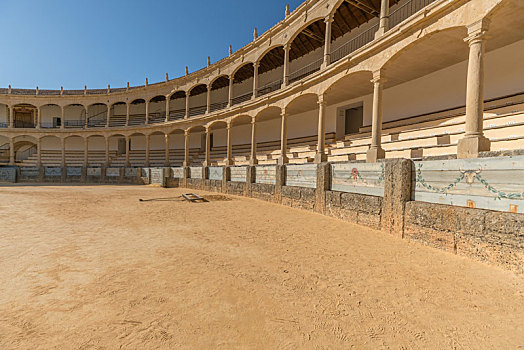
[{"x": 91, "y": 267}]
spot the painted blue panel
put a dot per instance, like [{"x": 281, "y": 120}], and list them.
[
  {"x": 238, "y": 173},
  {"x": 301, "y": 175},
  {"x": 178, "y": 173},
  {"x": 216, "y": 173},
  {"x": 7, "y": 174},
  {"x": 74, "y": 171},
  {"x": 30, "y": 172},
  {"x": 489, "y": 183},
  {"x": 53, "y": 171},
  {"x": 363, "y": 178},
  {"x": 265, "y": 175},
  {"x": 145, "y": 172}
]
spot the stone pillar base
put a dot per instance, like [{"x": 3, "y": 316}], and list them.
[
  {"x": 320, "y": 158},
  {"x": 380, "y": 32},
  {"x": 374, "y": 154},
  {"x": 323, "y": 185},
  {"x": 253, "y": 162},
  {"x": 283, "y": 160},
  {"x": 470, "y": 147}
]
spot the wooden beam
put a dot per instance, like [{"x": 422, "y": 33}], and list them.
[{"x": 364, "y": 7}]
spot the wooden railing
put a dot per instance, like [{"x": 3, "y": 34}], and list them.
[
  {"x": 352, "y": 45},
  {"x": 407, "y": 10},
  {"x": 242, "y": 98},
  {"x": 305, "y": 71}
]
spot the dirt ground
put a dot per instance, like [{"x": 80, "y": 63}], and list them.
[{"x": 91, "y": 267}]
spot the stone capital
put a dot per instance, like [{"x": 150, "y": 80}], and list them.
[
  {"x": 329, "y": 18},
  {"x": 321, "y": 99},
  {"x": 477, "y": 31},
  {"x": 378, "y": 77}
]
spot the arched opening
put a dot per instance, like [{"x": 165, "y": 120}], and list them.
[
  {"x": 118, "y": 114},
  {"x": 97, "y": 115},
  {"x": 25, "y": 150},
  {"x": 117, "y": 150},
  {"x": 50, "y": 151},
  {"x": 4, "y": 116},
  {"x": 271, "y": 71},
  {"x": 50, "y": 116},
  {"x": 241, "y": 139},
  {"x": 74, "y": 151},
  {"x": 137, "y": 112},
  {"x": 217, "y": 142},
  {"x": 197, "y": 145},
  {"x": 219, "y": 93},
  {"x": 267, "y": 135},
  {"x": 96, "y": 150},
  {"x": 157, "y": 149},
  {"x": 177, "y": 105},
  {"x": 243, "y": 84},
  {"x": 306, "y": 52},
  {"x": 74, "y": 116},
  {"x": 137, "y": 150},
  {"x": 4, "y": 150},
  {"x": 157, "y": 110},
  {"x": 24, "y": 115},
  {"x": 176, "y": 147},
  {"x": 198, "y": 100}
]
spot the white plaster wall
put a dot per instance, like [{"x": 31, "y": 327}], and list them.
[
  {"x": 4, "y": 115},
  {"x": 119, "y": 110},
  {"x": 243, "y": 88},
  {"x": 220, "y": 95},
  {"x": 76, "y": 144},
  {"x": 198, "y": 100},
  {"x": 177, "y": 104},
  {"x": 51, "y": 111},
  {"x": 70, "y": 113}
]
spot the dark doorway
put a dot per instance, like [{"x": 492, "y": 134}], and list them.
[{"x": 354, "y": 120}]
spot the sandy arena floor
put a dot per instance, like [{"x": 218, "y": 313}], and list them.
[{"x": 91, "y": 267}]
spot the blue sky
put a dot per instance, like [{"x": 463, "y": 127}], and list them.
[{"x": 71, "y": 43}]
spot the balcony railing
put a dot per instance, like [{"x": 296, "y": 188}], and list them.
[
  {"x": 47, "y": 125},
  {"x": 268, "y": 88},
  {"x": 155, "y": 118},
  {"x": 305, "y": 71},
  {"x": 407, "y": 10},
  {"x": 24, "y": 124},
  {"x": 218, "y": 106},
  {"x": 354, "y": 44},
  {"x": 242, "y": 98},
  {"x": 197, "y": 110},
  {"x": 3, "y": 125},
  {"x": 74, "y": 123},
  {"x": 177, "y": 114}
]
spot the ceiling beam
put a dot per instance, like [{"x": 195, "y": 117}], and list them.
[{"x": 364, "y": 7}]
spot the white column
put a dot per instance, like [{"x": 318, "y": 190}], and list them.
[
  {"x": 231, "y": 79},
  {"x": 208, "y": 100},
  {"x": 187, "y": 106},
  {"x": 11, "y": 117},
  {"x": 208, "y": 147},
  {"x": 167, "y": 150},
  {"x": 147, "y": 111},
  {"x": 128, "y": 142},
  {"x": 147, "y": 150},
  {"x": 253, "y": 159},
  {"x": 63, "y": 152},
  {"x": 375, "y": 151},
  {"x": 384, "y": 18},
  {"x": 39, "y": 117},
  {"x": 283, "y": 139},
  {"x": 128, "y": 106},
  {"x": 186, "y": 148},
  {"x": 86, "y": 152},
  {"x": 62, "y": 117},
  {"x": 86, "y": 122},
  {"x": 39, "y": 152},
  {"x": 474, "y": 140},
  {"x": 108, "y": 118},
  {"x": 229, "y": 154},
  {"x": 11, "y": 152},
  {"x": 256, "y": 65},
  {"x": 286, "y": 65},
  {"x": 321, "y": 156},
  {"x": 327, "y": 42},
  {"x": 167, "y": 108},
  {"x": 107, "y": 151}
]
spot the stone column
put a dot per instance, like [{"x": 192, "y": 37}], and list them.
[
  {"x": 11, "y": 117},
  {"x": 39, "y": 117},
  {"x": 229, "y": 155},
  {"x": 283, "y": 140},
  {"x": 256, "y": 65},
  {"x": 384, "y": 18},
  {"x": 327, "y": 43},
  {"x": 186, "y": 148},
  {"x": 208, "y": 147},
  {"x": 323, "y": 185},
  {"x": 474, "y": 140},
  {"x": 147, "y": 150},
  {"x": 187, "y": 106},
  {"x": 63, "y": 152},
  {"x": 167, "y": 150},
  {"x": 62, "y": 117},
  {"x": 107, "y": 151},
  {"x": 375, "y": 151},
  {"x": 167, "y": 109},
  {"x": 231, "y": 80},
  {"x": 253, "y": 159},
  {"x": 321, "y": 156},
  {"x": 397, "y": 191},
  {"x": 108, "y": 118},
  {"x": 128, "y": 106},
  {"x": 208, "y": 101},
  {"x": 39, "y": 152},
  {"x": 285, "y": 78},
  {"x": 128, "y": 143},
  {"x": 11, "y": 152},
  {"x": 147, "y": 112},
  {"x": 86, "y": 121},
  {"x": 86, "y": 152}
]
